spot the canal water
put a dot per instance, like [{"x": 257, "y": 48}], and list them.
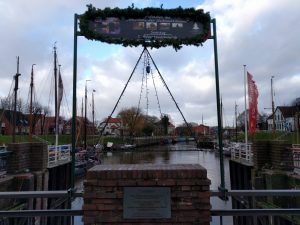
[{"x": 180, "y": 153}]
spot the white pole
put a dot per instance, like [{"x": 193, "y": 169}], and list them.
[{"x": 246, "y": 114}]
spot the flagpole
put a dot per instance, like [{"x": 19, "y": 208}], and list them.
[
  {"x": 246, "y": 114},
  {"x": 55, "y": 96}
]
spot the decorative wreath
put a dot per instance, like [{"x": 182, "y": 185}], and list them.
[{"x": 189, "y": 14}]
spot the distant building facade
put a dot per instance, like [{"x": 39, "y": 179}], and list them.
[
  {"x": 113, "y": 127},
  {"x": 80, "y": 127},
  {"x": 7, "y": 118},
  {"x": 284, "y": 117},
  {"x": 201, "y": 130}
]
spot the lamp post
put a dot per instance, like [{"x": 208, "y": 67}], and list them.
[
  {"x": 93, "y": 113},
  {"x": 85, "y": 119}
]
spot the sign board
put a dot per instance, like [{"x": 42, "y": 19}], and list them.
[
  {"x": 150, "y": 27},
  {"x": 147, "y": 203},
  {"x": 158, "y": 28}
]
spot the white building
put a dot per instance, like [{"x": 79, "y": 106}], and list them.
[
  {"x": 113, "y": 126},
  {"x": 284, "y": 118}
]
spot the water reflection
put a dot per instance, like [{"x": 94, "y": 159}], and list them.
[{"x": 173, "y": 154}]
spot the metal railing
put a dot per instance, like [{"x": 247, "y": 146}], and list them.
[
  {"x": 58, "y": 154},
  {"x": 3, "y": 160},
  {"x": 296, "y": 157},
  {"x": 214, "y": 212},
  {"x": 241, "y": 152}
]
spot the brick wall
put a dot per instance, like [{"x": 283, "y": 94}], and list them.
[
  {"x": 27, "y": 157},
  {"x": 188, "y": 185}
]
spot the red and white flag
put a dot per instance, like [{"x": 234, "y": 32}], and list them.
[{"x": 252, "y": 96}]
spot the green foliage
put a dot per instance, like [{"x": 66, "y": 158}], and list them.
[
  {"x": 289, "y": 137},
  {"x": 134, "y": 13},
  {"x": 63, "y": 139},
  {"x": 165, "y": 123}
]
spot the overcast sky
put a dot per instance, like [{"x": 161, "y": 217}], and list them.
[{"x": 261, "y": 34}]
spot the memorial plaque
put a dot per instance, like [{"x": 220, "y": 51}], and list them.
[{"x": 146, "y": 203}]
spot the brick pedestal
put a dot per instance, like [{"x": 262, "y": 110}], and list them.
[{"x": 189, "y": 193}]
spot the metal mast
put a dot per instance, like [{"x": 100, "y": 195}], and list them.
[
  {"x": 93, "y": 112},
  {"x": 85, "y": 117},
  {"x": 246, "y": 114},
  {"x": 55, "y": 96},
  {"x": 30, "y": 106},
  {"x": 273, "y": 106},
  {"x": 15, "y": 103}
]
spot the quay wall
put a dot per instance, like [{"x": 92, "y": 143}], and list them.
[
  {"x": 147, "y": 141},
  {"x": 106, "y": 193},
  {"x": 272, "y": 169},
  {"x": 27, "y": 171},
  {"x": 272, "y": 154}
]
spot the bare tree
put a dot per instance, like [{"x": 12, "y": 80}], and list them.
[
  {"x": 7, "y": 103},
  {"x": 133, "y": 120}
]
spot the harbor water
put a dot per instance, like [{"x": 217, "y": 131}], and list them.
[{"x": 180, "y": 153}]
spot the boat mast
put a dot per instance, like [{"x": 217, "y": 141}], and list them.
[
  {"x": 235, "y": 112},
  {"x": 55, "y": 96},
  {"x": 273, "y": 108},
  {"x": 30, "y": 106},
  {"x": 15, "y": 103}
]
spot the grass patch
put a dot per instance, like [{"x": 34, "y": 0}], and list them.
[
  {"x": 289, "y": 137},
  {"x": 62, "y": 139}
]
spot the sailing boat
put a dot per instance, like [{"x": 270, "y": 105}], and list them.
[
  {"x": 61, "y": 152},
  {"x": 58, "y": 94},
  {"x": 58, "y": 97}
]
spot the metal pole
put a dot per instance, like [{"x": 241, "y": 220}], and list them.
[
  {"x": 235, "y": 109},
  {"x": 273, "y": 107},
  {"x": 30, "y": 106},
  {"x": 246, "y": 114},
  {"x": 85, "y": 101},
  {"x": 15, "y": 103},
  {"x": 55, "y": 96},
  {"x": 222, "y": 177},
  {"x": 93, "y": 112},
  {"x": 85, "y": 117},
  {"x": 74, "y": 103}
]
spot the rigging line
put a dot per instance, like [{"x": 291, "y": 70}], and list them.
[
  {"x": 66, "y": 100},
  {"x": 141, "y": 93},
  {"x": 50, "y": 95},
  {"x": 188, "y": 125},
  {"x": 156, "y": 94},
  {"x": 122, "y": 93},
  {"x": 7, "y": 98},
  {"x": 147, "y": 89}
]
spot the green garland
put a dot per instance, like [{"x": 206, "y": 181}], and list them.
[{"x": 134, "y": 13}]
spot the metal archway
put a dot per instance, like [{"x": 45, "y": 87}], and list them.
[{"x": 222, "y": 187}]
